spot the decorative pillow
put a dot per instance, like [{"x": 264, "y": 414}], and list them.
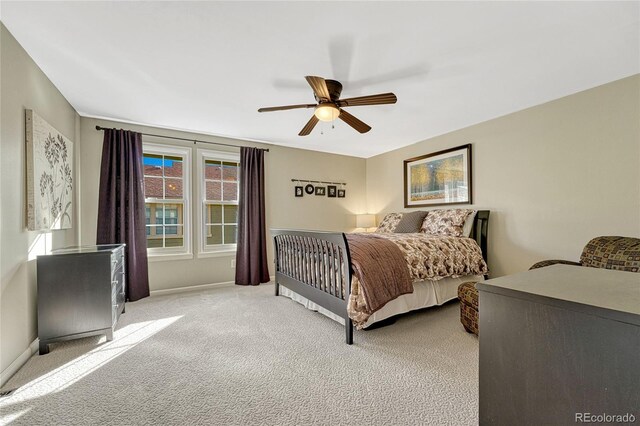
[
  {"x": 389, "y": 223},
  {"x": 445, "y": 222},
  {"x": 410, "y": 222},
  {"x": 468, "y": 223}
]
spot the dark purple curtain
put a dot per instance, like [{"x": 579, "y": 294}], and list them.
[
  {"x": 121, "y": 205},
  {"x": 251, "y": 257}
]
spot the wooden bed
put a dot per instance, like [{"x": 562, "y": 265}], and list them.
[{"x": 317, "y": 265}]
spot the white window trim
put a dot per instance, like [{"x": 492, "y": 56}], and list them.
[
  {"x": 175, "y": 253},
  {"x": 161, "y": 257},
  {"x": 203, "y": 250}
]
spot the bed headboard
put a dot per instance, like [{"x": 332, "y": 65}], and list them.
[{"x": 480, "y": 230}]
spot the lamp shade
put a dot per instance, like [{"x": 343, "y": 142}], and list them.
[{"x": 365, "y": 220}]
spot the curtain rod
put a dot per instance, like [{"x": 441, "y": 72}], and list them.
[
  {"x": 318, "y": 181},
  {"x": 185, "y": 139}
]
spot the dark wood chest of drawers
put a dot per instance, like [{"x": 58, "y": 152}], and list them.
[
  {"x": 559, "y": 344},
  {"x": 81, "y": 292}
]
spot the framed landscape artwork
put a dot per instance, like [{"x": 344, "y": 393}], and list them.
[
  {"x": 49, "y": 176},
  {"x": 440, "y": 178}
]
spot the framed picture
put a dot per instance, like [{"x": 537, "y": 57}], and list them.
[
  {"x": 441, "y": 178},
  {"x": 332, "y": 191},
  {"x": 341, "y": 193},
  {"x": 299, "y": 191},
  {"x": 309, "y": 189},
  {"x": 49, "y": 176},
  {"x": 320, "y": 190}
]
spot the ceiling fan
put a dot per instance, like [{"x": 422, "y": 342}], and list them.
[{"x": 329, "y": 106}]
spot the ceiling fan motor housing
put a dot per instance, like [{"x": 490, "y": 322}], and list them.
[{"x": 335, "y": 89}]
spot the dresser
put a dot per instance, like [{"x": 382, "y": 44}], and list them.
[
  {"x": 559, "y": 344},
  {"x": 81, "y": 292}
]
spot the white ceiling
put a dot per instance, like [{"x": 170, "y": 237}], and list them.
[{"x": 208, "y": 66}]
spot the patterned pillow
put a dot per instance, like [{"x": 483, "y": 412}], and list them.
[
  {"x": 389, "y": 223},
  {"x": 445, "y": 222},
  {"x": 410, "y": 222}
]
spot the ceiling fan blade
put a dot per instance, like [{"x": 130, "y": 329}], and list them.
[
  {"x": 380, "y": 99},
  {"x": 282, "y": 108},
  {"x": 309, "y": 126},
  {"x": 319, "y": 87},
  {"x": 354, "y": 122}
]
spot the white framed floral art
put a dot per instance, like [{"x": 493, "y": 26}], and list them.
[{"x": 49, "y": 176}]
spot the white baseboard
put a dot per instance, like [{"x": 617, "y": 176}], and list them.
[
  {"x": 18, "y": 362},
  {"x": 189, "y": 288},
  {"x": 194, "y": 288}
]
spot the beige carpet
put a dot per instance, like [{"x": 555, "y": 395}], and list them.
[{"x": 241, "y": 356}]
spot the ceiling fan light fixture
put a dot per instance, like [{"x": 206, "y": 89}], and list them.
[{"x": 327, "y": 112}]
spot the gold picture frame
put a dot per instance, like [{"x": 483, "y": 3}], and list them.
[{"x": 439, "y": 178}]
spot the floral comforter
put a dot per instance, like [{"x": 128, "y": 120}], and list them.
[{"x": 428, "y": 257}]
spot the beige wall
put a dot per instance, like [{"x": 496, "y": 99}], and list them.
[
  {"x": 23, "y": 85},
  {"x": 283, "y": 209},
  {"x": 553, "y": 176}
]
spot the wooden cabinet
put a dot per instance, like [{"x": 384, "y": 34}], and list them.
[
  {"x": 558, "y": 344},
  {"x": 81, "y": 292}
]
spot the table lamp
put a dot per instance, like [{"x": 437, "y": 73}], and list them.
[{"x": 365, "y": 221}]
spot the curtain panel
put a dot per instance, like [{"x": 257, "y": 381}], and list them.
[
  {"x": 121, "y": 206},
  {"x": 251, "y": 255}
]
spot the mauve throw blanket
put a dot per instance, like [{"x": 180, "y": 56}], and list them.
[{"x": 381, "y": 269}]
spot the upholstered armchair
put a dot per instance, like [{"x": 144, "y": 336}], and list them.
[{"x": 618, "y": 253}]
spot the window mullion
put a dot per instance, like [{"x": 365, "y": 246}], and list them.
[
  {"x": 222, "y": 220},
  {"x": 164, "y": 182},
  {"x": 164, "y": 226}
]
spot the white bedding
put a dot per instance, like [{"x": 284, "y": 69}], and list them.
[{"x": 425, "y": 294}]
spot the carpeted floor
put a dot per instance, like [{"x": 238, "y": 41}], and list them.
[{"x": 240, "y": 356}]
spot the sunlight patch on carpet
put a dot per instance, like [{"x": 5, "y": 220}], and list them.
[
  {"x": 6, "y": 419},
  {"x": 73, "y": 371}
]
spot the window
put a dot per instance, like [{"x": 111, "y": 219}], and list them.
[
  {"x": 166, "y": 192},
  {"x": 168, "y": 201},
  {"x": 218, "y": 172}
]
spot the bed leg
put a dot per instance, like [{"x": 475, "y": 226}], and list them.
[
  {"x": 277, "y": 287},
  {"x": 348, "y": 326}
]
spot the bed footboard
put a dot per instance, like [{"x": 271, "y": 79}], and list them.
[{"x": 317, "y": 266}]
